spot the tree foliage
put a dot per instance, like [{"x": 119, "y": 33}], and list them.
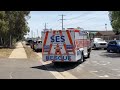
[
  {"x": 14, "y": 24},
  {"x": 115, "y": 21}
]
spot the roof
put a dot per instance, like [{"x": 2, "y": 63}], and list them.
[{"x": 105, "y": 33}]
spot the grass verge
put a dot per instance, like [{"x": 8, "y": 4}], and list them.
[{"x": 5, "y": 52}]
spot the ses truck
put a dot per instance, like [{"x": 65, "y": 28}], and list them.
[{"x": 69, "y": 45}]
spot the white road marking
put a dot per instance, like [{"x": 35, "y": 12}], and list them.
[
  {"x": 67, "y": 75},
  {"x": 118, "y": 75},
  {"x": 93, "y": 71},
  {"x": 115, "y": 69},
  {"x": 101, "y": 62},
  {"x": 10, "y": 75},
  {"x": 82, "y": 66},
  {"x": 58, "y": 75},
  {"x": 104, "y": 76}
]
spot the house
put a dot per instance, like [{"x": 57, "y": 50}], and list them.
[{"x": 105, "y": 33}]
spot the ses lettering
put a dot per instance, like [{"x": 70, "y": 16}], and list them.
[{"x": 57, "y": 38}]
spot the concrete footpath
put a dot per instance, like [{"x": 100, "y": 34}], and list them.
[{"x": 18, "y": 52}]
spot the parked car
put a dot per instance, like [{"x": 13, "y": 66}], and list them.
[
  {"x": 38, "y": 45},
  {"x": 98, "y": 43},
  {"x": 32, "y": 44},
  {"x": 114, "y": 46},
  {"x": 28, "y": 42}
]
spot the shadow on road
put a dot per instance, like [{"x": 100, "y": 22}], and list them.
[
  {"x": 60, "y": 67},
  {"x": 111, "y": 54}
]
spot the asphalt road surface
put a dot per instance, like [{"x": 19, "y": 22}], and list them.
[
  {"x": 22, "y": 69},
  {"x": 101, "y": 65}
]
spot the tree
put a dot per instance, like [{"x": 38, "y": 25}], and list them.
[
  {"x": 115, "y": 21},
  {"x": 13, "y": 24},
  {"x": 3, "y": 27}
]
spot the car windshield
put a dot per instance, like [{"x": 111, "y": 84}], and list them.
[{"x": 99, "y": 39}]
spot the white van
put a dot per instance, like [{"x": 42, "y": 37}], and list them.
[{"x": 38, "y": 45}]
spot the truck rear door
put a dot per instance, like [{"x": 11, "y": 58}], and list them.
[{"x": 58, "y": 45}]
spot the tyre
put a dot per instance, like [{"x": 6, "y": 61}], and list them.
[
  {"x": 105, "y": 48},
  {"x": 89, "y": 50},
  {"x": 118, "y": 51},
  {"x": 56, "y": 63},
  {"x": 82, "y": 58},
  {"x": 94, "y": 46},
  {"x": 36, "y": 50},
  {"x": 108, "y": 50},
  {"x": 88, "y": 55}
]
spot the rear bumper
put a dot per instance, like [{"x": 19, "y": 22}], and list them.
[
  {"x": 65, "y": 61},
  {"x": 38, "y": 48},
  {"x": 101, "y": 46}
]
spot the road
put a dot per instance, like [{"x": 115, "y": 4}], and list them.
[{"x": 101, "y": 65}]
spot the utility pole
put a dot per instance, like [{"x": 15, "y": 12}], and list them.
[
  {"x": 45, "y": 26},
  {"x": 62, "y": 20},
  {"x": 37, "y": 33},
  {"x": 34, "y": 34},
  {"x": 31, "y": 33},
  {"x": 106, "y": 27}
]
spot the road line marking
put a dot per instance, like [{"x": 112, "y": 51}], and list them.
[
  {"x": 118, "y": 75},
  {"x": 55, "y": 73},
  {"x": 99, "y": 75},
  {"x": 116, "y": 69},
  {"x": 104, "y": 76},
  {"x": 58, "y": 75},
  {"x": 10, "y": 75},
  {"x": 93, "y": 71},
  {"x": 67, "y": 75}
]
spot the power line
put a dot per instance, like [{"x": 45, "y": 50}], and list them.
[
  {"x": 80, "y": 21},
  {"x": 84, "y": 14}
]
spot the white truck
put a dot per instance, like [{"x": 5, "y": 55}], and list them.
[{"x": 65, "y": 45}]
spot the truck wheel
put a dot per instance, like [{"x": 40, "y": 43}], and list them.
[
  {"x": 88, "y": 55},
  {"x": 89, "y": 50},
  {"x": 56, "y": 63},
  {"x": 82, "y": 58},
  {"x": 94, "y": 46}
]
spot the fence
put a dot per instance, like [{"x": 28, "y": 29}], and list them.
[{"x": 108, "y": 38}]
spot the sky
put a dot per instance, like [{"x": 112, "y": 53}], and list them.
[{"x": 88, "y": 20}]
